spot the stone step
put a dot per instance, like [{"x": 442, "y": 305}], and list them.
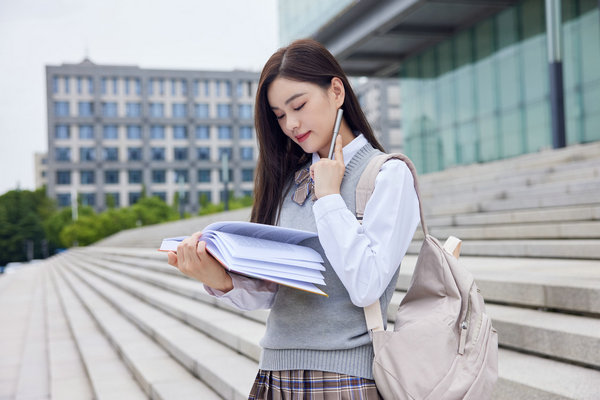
[
  {"x": 539, "y": 230},
  {"x": 551, "y": 214},
  {"x": 559, "y": 336},
  {"x": 223, "y": 369},
  {"x": 108, "y": 375},
  {"x": 24, "y": 362},
  {"x": 534, "y": 386},
  {"x": 566, "y": 285},
  {"x": 67, "y": 373},
  {"x": 159, "y": 375},
  {"x": 585, "y": 249}
]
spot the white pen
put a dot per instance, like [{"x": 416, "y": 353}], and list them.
[{"x": 336, "y": 129}]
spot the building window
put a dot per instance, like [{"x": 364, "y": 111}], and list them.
[
  {"x": 182, "y": 175},
  {"x": 179, "y": 110},
  {"x": 203, "y": 153},
  {"x": 157, "y": 110},
  {"x": 110, "y": 132},
  {"x": 134, "y": 132},
  {"x": 246, "y": 153},
  {"x": 135, "y": 175},
  {"x": 109, "y": 109},
  {"x": 63, "y": 153},
  {"x": 112, "y": 199},
  {"x": 196, "y": 88},
  {"x": 134, "y": 197},
  {"x": 134, "y": 153},
  {"x": 87, "y": 177},
  {"x": 67, "y": 80},
  {"x": 229, "y": 175},
  {"x": 240, "y": 89},
  {"x": 160, "y": 195},
  {"x": 204, "y": 196},
  {"x": 88, "y": 199},
  {"x": 201, "y": 110},
  {"x": 157, "y": 153},
  {"x": 204, "y": 175},
  {"x": 180, "y": 153},
  {"x": 133, "y": 109},
  {"x": 184, "y": 88},
  {"x": 245, "y": 111},
  {"x": 115, "y": 85},
  {"x": 126, "y": 85},
  {"x": 79, "y": 85},
  {"x": 161, "y": 86},
  {"x": 202, "y": 132},
  {"x": 225, "y": 150},
  {"x": 247, "y": 175},
  {"x": 61, "y": 109},
  {"x": 224, "y": 110},
  {"x": 86, "y": 132},
  {"x": 179, "y": 132},
  {"x": 87, "y": 154},
  {"x": 173, "y": 87},
  {"x": 63, "y": 177},
  {"x": 103, "y": 85},
  {"x": 63, "y": 199},
  {"x": 138, "y": 86},
  {"x": 110, "y": 154},
  {"x": 159, "y": 176},
  {"x": 245, "y": 132},
  {"x": 62, "y": 132},
  {"x": 86, "y": 108},
  {"x": 90, "y": 85},
  {"x": 55, "y": 84},
  {"x": 157, "y": 132},
  {"x": 150, "y": 87},
  {"x": 224, "y": 132},
  {"x": 111, "y": 177}
]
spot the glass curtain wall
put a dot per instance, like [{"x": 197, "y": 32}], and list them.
[{"x": 483, "y": 94}]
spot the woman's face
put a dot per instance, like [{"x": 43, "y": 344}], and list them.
[{"x": 306, "y": 112}]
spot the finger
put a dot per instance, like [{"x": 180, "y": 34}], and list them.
[
  {"x": 201, "y": 249},
  {"x": 339, "y": 156},
  {"x": 172, "y": 258}
]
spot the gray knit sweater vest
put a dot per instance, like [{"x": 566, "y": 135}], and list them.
[{"x": 312, "y": 332}]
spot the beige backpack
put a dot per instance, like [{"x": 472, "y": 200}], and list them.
[{"x": 443, "y": 345}]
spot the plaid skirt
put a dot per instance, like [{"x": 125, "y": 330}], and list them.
[{"x": 311, "y": 385}]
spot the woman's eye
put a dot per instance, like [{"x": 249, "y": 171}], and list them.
[
  {"x": 279, "y": 116},
  {"x": 299, "y": 108}
]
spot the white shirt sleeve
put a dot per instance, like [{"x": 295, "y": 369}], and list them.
[
  {"x": 247, "y": 293},
  {"x": 365, "y": 257}
]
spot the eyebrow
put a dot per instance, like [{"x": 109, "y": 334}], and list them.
[{"x": 290, "y": 99}]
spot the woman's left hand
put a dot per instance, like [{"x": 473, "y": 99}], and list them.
[{"x": 328, "y": 174}]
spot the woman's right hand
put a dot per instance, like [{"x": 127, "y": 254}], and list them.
[{"x": 193, "y": 260}]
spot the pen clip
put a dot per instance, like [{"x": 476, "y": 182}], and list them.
[{"x": 336, "y": 129}]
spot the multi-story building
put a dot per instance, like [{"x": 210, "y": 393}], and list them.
[
  {"x": 479, "y": 80},
  {"x": 117, "y": 131},
  {"x": 380, "y": 101}
]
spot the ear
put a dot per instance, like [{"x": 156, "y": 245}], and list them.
[{"x": 337, "y": 91}]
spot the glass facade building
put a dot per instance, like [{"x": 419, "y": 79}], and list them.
[
  {"x": 484, "y": 94},
  {"x": 474, "y": 78}
]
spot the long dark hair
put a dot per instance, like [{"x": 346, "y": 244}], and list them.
[{"x": 278, "y": 156}]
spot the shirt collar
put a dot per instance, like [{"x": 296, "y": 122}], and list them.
[{"x": 348, "y": 150}]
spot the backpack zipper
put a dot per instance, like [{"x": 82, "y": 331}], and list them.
[{"x": 464, "y": 326}]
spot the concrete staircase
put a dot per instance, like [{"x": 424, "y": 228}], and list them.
[{"x": 115, "y": 321}]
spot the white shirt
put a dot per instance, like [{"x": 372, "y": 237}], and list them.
[{"x": 364, "y": 257}]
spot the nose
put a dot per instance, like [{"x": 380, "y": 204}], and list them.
[{"x": 291, "y": 123}]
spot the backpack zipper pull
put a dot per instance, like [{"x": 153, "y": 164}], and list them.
[{"x": 463, "y": 338}]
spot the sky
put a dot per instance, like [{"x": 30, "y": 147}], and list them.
[{"x": 170, "y": 34}]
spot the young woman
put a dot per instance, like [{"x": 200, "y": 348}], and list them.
[{"x": 315, "y": 345}]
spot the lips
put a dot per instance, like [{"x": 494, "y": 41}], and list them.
[{"x": 303, "y": 137}]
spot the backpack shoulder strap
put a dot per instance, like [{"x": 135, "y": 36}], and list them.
[{"x": 366, "y": 183}]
